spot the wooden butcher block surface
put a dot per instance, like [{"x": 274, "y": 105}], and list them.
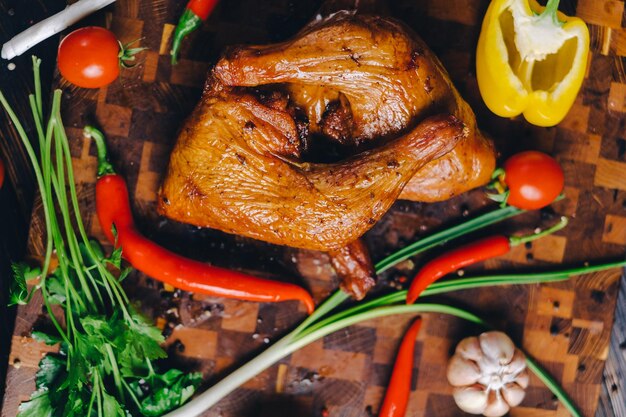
[{"x": 566, "y": 326}]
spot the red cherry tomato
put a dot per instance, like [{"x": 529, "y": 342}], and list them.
[
  {"x": 89, "y": 57},
  {"x": 534, "y": 180},
  {"x": 1, "y": 173}
]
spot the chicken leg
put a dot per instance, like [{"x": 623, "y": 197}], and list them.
[{"x": 233, "y": 169}]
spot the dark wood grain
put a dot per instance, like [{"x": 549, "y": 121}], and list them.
[{"x": 566, "y": 326}]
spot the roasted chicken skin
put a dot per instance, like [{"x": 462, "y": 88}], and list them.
[
  {"x": 384, "y": 75},
  {"x": 234, "y": 169}
]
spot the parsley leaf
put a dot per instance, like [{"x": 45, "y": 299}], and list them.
[
  {"x": 76, "y": 404},
  {"x": 111, "y": 407},
  {"x": 145, "y": 327},
  {"x": 19, "y": 291},
  {"x": 137, "y": 348},
  {"x": 55, "y": 288},
  {"x": 124, "y": 273},
  {"x": 46, "y": 338},
  {"x": 168, "y": 391},
  {"x": 38, "y": 405},
  {"x": 116, "y": 258},
  {"x": 51, "y": 369}
]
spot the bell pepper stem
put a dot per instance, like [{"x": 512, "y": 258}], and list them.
[
  {"x": 188, "y": 22},
  {"x": 552, "y": 8},
  {"x": 520, "y": 240},
  {"x": 104, "y": 166}
]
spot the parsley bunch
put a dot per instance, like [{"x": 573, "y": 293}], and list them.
[{"x": 104, "y": 366}]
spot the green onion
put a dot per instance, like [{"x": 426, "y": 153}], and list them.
[
  {"x": 313, "y": 329},
  {"x": 554, "y": 386}
]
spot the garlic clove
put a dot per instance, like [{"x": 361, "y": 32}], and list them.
[
  {"x": 522, "y": 379},
  {"x": 469, "y": 348},
  {"x": 496, "y": 406},
  {"x": 518, "y": 363},
  {"x": 489, "y": 366},
  {"x": 513, "y": 394},
  {"x": 471, "y": 399},
  {"x": 497, "y": 346},
  {"x": 462, "y": 371},
  {"x": 485, "y": 380}
]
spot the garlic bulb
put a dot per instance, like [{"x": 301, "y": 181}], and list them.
[{"x": 488, "y": 374}]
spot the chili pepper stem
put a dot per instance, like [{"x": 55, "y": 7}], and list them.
[
  {"x": 519, "y": 240},
  {"x": 189, "y": 22},
  {"x": 104, "y": 166}
]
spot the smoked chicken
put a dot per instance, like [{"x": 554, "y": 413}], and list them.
[
  {"x": 384, "y": 76},
  {"x": 365, "y": 82}
]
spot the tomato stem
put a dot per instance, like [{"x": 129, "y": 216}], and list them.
[
  {"x": 497, "y": 173},
  {"x": 497, "y": 183},
  {"x": 128, "y": 54}
]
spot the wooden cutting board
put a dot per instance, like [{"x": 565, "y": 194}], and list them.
[{"x": 566, "y": 326}]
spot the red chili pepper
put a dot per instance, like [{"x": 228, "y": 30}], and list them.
[
  {"x": 113, "y": 209},
  {"x": 470, "y": 254},
  {"x": 463, "y": 256},
  {"x": 399, "y": 389},
  {"x": 196, "y": 12}
]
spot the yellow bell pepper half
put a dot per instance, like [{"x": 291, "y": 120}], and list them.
[{"x": 531, "y": 59}]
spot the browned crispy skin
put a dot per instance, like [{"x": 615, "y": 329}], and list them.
[
  {"x": 232, "y": 169},
  {"x": 354, "y": 266},
  {"x": 390, "y": 79}
]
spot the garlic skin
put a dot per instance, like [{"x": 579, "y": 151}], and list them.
[{"x": 489, "y": 374}]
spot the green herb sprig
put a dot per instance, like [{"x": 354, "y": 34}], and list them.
[{"x": 105, "y": 364}]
